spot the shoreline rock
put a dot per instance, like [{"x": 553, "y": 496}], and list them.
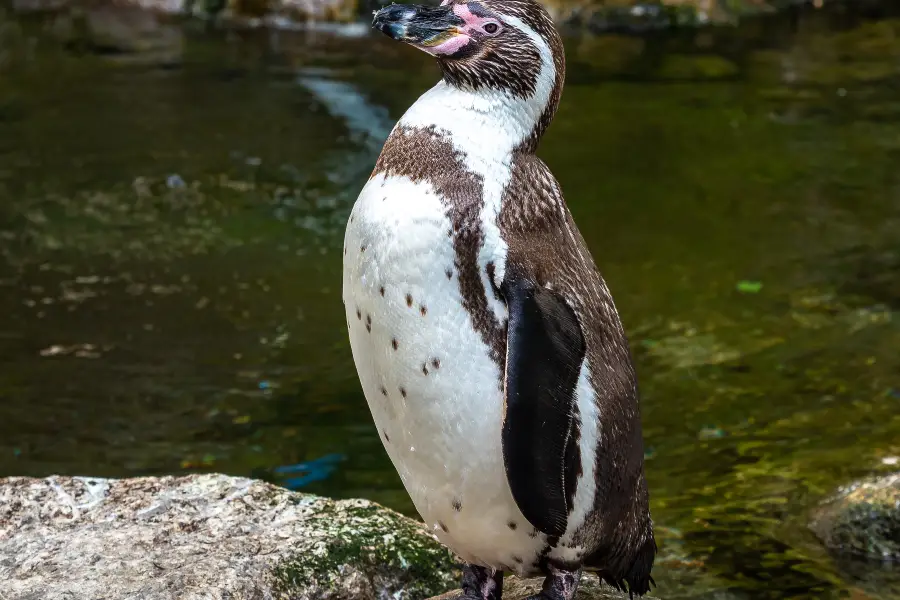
[
  {"x": 207, "y": 536},
  {"x": 863, "y": 519},
  {"x": 215, "y": 536}
]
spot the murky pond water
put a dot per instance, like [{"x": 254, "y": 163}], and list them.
[{"x": 172, "y": 204}]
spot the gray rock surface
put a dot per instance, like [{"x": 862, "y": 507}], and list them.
[
  {"x": 207, "y": 537},
  {"x": 863, "y": 518},
  {"x": 519, "y": 589}
]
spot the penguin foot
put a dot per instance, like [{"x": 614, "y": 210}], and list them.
[
  {"x": 480, "y": 583},
  {"x": 559, "y": 584}
]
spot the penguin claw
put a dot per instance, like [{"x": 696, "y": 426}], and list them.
[
  {"x": 560, "y": 584},
  {"x": 480, "y": 583}
]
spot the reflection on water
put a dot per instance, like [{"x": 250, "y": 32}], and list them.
[{"x": 172, "y": 204}]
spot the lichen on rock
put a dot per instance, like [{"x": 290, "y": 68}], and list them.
[
  {"x": 863, "y": 518},
  {"x": 207, "y": 536}
]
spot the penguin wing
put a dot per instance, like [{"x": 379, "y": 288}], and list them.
[
  {"x": 544, "y": 354},
  {"x": 564, "y": 331}
]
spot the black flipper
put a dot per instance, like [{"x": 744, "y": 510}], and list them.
[{"x": 545, "y": 349}]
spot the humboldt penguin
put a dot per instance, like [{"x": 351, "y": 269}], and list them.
[{"x": 487, "y": 344}]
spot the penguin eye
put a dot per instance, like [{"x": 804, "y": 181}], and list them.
[{"x": 491, "y": 28}]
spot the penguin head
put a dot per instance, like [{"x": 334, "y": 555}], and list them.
[{"x": 507, "y": 46}]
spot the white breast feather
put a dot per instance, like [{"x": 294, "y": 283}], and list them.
[{"x": 443, "y": 434}]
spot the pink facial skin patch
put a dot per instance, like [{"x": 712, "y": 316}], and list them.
[
  {"x": 446, "y": 43},
  {"x": 472, "y": 20},
  {"x": 451, "y": 41}
]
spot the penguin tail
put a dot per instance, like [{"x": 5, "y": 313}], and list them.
[
  {"x": 632, "y": 577},
  {"x": 638, "y": 575}
]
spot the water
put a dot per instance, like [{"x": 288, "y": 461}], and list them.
[{"x": 171, "y": 219}]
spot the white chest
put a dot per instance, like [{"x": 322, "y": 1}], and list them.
[
  {"x": 426, "y": 373},
  {"x": 420, "y": 361}
]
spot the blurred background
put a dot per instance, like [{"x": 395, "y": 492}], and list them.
[{"x": 173, "y": 194}]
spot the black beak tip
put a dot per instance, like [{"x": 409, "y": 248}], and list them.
[
  {"x": 390, "y": 20},
  {"x": 393, "y": 13},
  {"x": 413, "y": 23},
  {"x": 376, "y": 19}
]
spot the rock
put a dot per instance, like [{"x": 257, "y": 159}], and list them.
[
  {"x": 243, "y": 12},
  {"x": 518, "y": 589},
  {"x": 642, "y": 15},
  {"x": 207, "y": 536},
  {"x": 592, "y": 15},
  {"x": 115, "y": 31},
  {"x": 863, "y": 518}
]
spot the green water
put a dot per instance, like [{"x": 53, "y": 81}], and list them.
[{"x": 171, "y": 219}]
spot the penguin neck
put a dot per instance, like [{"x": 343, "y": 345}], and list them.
[
  {"x": 485, "y": 125},
  {"x": 488, "y": 125}
]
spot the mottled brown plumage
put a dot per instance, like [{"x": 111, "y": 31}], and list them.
[{"x": 424, "y": 155}]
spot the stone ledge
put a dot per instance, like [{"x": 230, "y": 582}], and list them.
[{"x": 207, "y": 536}]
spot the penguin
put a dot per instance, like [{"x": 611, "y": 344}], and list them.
[{"x": 487, "y": 343}]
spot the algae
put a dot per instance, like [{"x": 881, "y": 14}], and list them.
[{"x": 379, "y": 545}]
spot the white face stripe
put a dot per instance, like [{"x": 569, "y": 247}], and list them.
[{"x": 546, "y": 78}]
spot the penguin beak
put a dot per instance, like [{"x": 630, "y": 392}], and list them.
[{"x": 423, "y": 26}]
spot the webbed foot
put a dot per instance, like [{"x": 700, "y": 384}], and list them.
[
  {"x": 480, "y": 583},
  {"x": 559, "y": 584}
]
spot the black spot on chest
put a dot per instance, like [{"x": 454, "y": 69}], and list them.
[{"x": 422, "y": 154}]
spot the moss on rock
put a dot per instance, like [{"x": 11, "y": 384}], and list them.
[{"x": 368, "y": 543}]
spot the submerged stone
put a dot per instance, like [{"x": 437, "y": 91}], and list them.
[
  {"x": 207, "y": 536},
  {"x": 863, "y": 518}
]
